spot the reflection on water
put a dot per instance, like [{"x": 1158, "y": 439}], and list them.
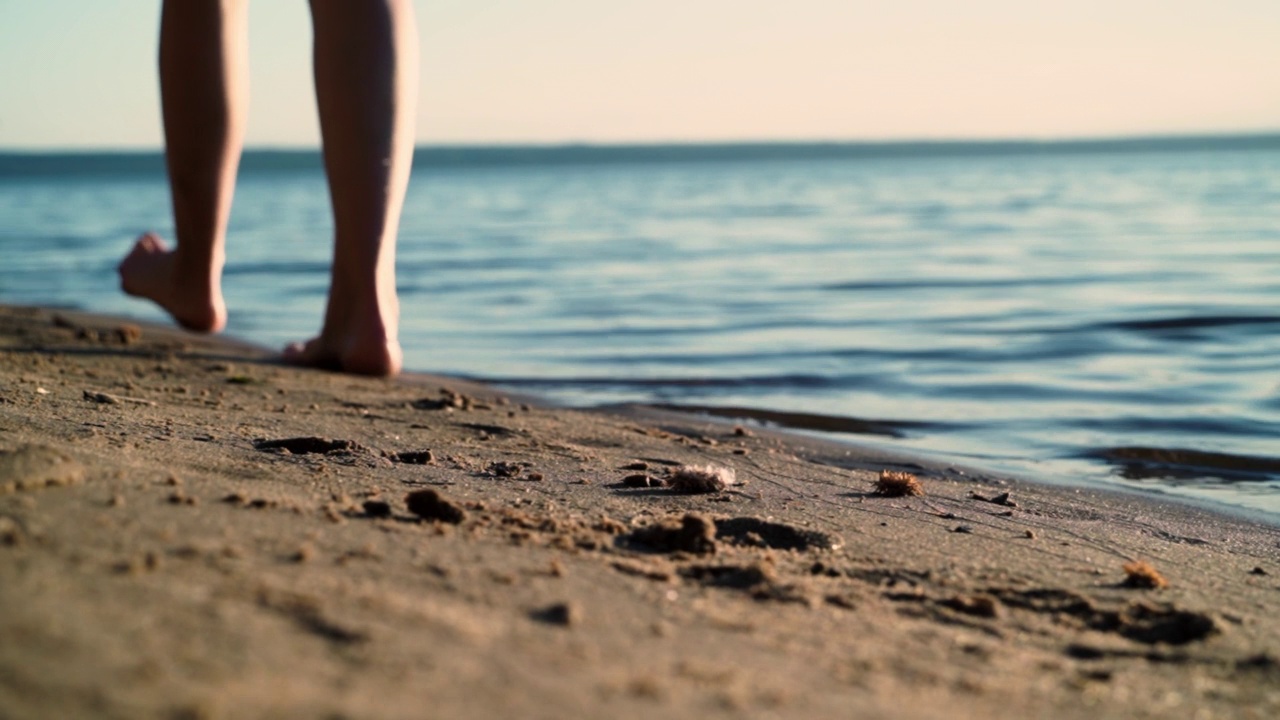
[{"x": 1105, "y": 317}]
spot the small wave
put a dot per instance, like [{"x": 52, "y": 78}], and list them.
[
  {"x": 1225, "y": 426},
  {"x": 769, "y": 381},
  {"x": 1182, "y": 327},
  {"x": 1183, "y": 465},
  {"x": 1189, "y": 322},
  {"x": 808, "y": 421},
  {"x": 954, "y": 283},
  {"x": 951, "y": 284}
]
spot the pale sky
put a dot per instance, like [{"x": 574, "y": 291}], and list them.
[{"x": 81, "y": 73}]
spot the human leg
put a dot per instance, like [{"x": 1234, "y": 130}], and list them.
[
  {"x": 366, "y": 65},
  {"x": 203, "y": 89}
]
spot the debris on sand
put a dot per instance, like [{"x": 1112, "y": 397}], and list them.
[
  {"x": 127, "y": 334},
  {"x": 1139, "y": 574},
  {"x": 414, "y": 457},
  {"x": 893, "y": 483},
  {"x": 109, "y": 399},
  {"x": 377, "y": 508},
  {"x": 976, "y": 605},
  {"x": 701, "y": 479},
  {"x": 309, "y": 446},
  {"x": 449, "y": 400},
  {"x": 506, "y": 469},
  {"x": 429, "y": 505},
  {"x": 1001, "y": 499}
]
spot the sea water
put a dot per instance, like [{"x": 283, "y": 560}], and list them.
[{"x": 1081, "y": 313}]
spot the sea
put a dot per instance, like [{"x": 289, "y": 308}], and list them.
[{"x": 1101, "y": 313}]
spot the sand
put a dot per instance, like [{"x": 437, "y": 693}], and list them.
[{"x": 190, "y": 530}]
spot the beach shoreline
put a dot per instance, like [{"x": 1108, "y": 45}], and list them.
[{"x": 187, "y": 527}]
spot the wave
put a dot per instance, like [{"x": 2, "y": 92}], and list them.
[
  {"x": 808, "y": 421},
  {"x": 1184, "y": 465},
  {"x": 1188, "y": 322},
  {"x": 785, "y": 381}
]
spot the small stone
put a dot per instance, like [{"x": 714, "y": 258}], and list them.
[
  {"x": 638, "y": 481},
  {"x": 1004, "y": 499},
  {"x": 10, "y": 533},
  {"x": 564, "y": 614},
  {"x": 377, "y": 508},
  {"x": 430, "y": 505},
  {"x": 304, "y": 553},
  {"x": 420, "y": 457}
]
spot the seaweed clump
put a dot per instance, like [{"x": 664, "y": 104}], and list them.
[
  {"x": 701, "y": 479},
  {"x": 893, "y": 483},
  {"x": 1139, "y": 574}
]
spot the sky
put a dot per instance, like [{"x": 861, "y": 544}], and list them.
[{"x": 81, "y": 73}]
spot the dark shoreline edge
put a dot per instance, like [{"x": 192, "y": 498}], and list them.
[
  {"x": 840, "y": 449},
  {"x": 873, "y": 455}
]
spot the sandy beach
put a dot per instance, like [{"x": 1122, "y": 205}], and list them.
[{"x": 190, "y": 530}]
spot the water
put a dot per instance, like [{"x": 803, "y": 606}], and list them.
[{"x": 1085, "y": 314}]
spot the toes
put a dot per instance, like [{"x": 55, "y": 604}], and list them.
[
  {"x": 150, "y": 243},
  {"x": 148, "y": 246},
  {"x": 378, "y": 361},
  {"x": 310, "y": 354},
  {"x": 296, "y": 353}
]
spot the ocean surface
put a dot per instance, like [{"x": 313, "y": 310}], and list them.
[{"x": 1095, "y": 313}]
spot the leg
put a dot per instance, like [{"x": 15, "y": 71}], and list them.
[
  {"x": 203, "y": 58},
  {"x": 366, "y": 67}
]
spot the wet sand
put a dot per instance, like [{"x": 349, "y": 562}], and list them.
[{"x": 188, "y": 529}]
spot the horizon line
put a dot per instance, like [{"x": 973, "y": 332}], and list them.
[{"x": 903, "y": 142}]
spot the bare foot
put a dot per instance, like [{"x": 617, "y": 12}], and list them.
[
  {"x": 353, "y": 342},
  {"x": 149, "y": 271}
]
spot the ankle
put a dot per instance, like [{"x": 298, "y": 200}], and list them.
[{"x": 197, "y": 271}]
